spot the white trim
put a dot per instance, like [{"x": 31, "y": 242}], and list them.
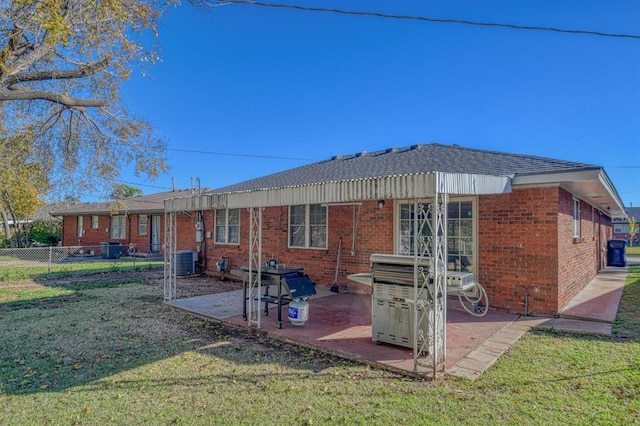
[
  {"x": 608, "y": 199},
  {"x": 420, "y": 185}
]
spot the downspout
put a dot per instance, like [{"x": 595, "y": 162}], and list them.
[{"x": 204, "y": 239}]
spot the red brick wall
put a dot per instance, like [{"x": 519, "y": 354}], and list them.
[
  {"x": 142, "y": 241},
  {"x": 580, "y": 258},
  {"x": 374, "y": 234},
  {"x": 517, "y": 249},
  {"x": 93, "y": 237},
  {"x": 526, "y": 246},
  {"x": 90, "y": 237}
]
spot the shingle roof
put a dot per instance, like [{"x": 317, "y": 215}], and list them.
[
  {"x": 152, "y": 203},
  {"x": 633, "y": 212},
  {"x": 410, "y": 160}
]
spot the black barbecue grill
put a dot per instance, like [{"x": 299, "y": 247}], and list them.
[{"x": 291, "y": 282}]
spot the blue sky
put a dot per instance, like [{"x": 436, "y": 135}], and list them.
[{"x": 257, "y": 90}]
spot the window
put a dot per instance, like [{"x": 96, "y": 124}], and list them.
[
  {"x": 94, "y": 222},
  {"x": 576, "y": 218},
  {"x": 118, "y": 227},
  {"x": 80, "y": 231},
  {"x": 460, "y": 236},
  {"x": 143, "y": 219},
  {"x": 308, "y": 226},
  {"x": 460, "y": 242},
  {"x": 621, "y": 229},
  {"x": 227, "y": 226}
]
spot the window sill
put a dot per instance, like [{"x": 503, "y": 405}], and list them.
[{"x": 578, "y": 240}]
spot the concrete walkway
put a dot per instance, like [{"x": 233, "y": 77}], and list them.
[{"x": 592, "y": 311}]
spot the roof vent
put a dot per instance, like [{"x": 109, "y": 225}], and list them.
[
  {"x": 361, "y": 154},
  {"x": 416, "y": 146}
]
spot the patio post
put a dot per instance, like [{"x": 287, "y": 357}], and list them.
[
  {"x": 255, "y": 265},
  {"x": 170, "y": 230},
  {"x": 429, "y": 308}
]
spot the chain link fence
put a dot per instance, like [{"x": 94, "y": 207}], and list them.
[{"x": 111, "y": 256}]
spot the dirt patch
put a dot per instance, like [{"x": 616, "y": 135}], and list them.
[
  {"x": 188, "y": 286},
  {"x": 199, "y": 285}
]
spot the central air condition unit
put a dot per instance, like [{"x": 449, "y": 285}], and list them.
[{"x": 186, "y": 262}]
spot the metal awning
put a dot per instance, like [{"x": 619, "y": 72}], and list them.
[{"x": 412, "y": 186}]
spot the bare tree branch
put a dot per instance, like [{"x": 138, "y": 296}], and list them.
[
  {"x": 21, "y": 94},
  {"x": 83, "y": 71}
]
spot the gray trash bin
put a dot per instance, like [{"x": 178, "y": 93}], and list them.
[{"x": 110, "y": 250}]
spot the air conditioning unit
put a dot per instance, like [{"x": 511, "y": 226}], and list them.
[{"x": 186, "y": 262}]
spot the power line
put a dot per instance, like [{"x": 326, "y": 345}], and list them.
[
  {"x": 229, "y": 154},
  {"x": 428, "y": 19}
]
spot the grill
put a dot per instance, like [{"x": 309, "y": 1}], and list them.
[
  {"x": 392, "y": 305},
  {"x": 291, "y": 284}
]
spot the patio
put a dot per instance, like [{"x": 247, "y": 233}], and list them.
[{"x": 340, "y": 323}]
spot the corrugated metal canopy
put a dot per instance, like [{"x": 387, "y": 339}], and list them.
[{"x": 419, "y": 185}]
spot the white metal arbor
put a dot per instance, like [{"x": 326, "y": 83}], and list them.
[
  {"x": 170, "y": 233},
  {"x": 430, "y": 285},
  {"x": 255, "y": 266}
]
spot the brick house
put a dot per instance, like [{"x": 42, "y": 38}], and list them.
[
  {"x": 135, "y": 221},
  {"x": 621, "y": 226},
  {"x": 527, "y": 227}
]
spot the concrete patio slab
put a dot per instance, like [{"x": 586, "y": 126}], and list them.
[{"x": 340, "y": 323}]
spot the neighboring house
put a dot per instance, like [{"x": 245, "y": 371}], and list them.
[
  {"x": 134, "y": 222},
  {"x": 532, "y": 230},
  {"x": 621, "y": 226}
]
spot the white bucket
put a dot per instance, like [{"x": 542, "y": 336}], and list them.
[{"x": 298, "y": 312}]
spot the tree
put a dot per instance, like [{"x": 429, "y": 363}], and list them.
[
  {"x": 21, "y": 183},
  {"x": 122, "y": 192},
  {"x": 47, "y": 232},
  {"x": 632, "y": 229},
  {"x": 62, "y": 63}
]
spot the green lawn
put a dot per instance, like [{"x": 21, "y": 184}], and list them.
[
  {"x": 633, "y": 250},
  {"x": 62, "y": 270},
  {"x": 117, "y": 355}
]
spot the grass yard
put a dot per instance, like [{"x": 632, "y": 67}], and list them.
[
  {"x": 633, "y": 250},
  {"x": 112, "y": 353},
  {"x": 63, "y": 270}
]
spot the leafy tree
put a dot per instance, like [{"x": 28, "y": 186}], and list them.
[
  {"x": 632, "y": 229},
  {"x": 122, "y": 192},
  {"x": 62, "y": 63},
  {"x": 46, "y": 232},
  {"x": 22, "y": 181}
]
